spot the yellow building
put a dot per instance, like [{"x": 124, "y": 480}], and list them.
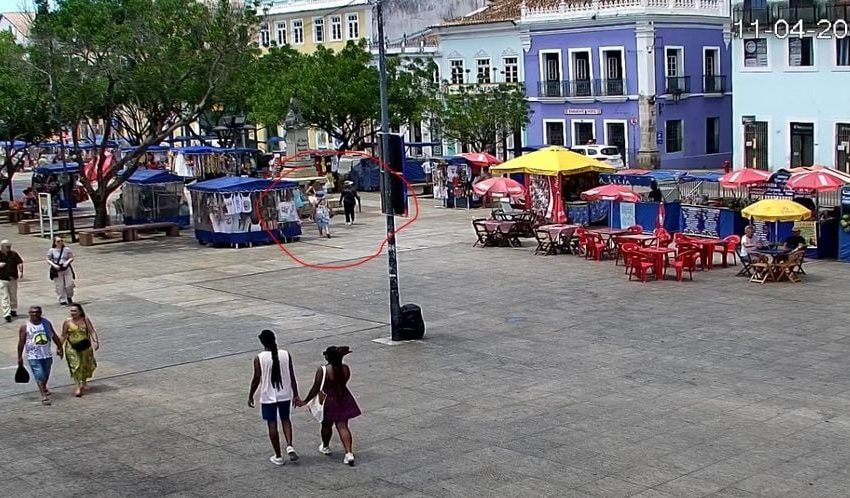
[{"x": 307, "y": 24}]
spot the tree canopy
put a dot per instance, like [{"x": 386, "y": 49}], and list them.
[
  {"x": 337, "y": 91},
  {"x": 481, "y": 114},
  {"x": 24, "y": 106},
  {"x": 136, "y": 69}
]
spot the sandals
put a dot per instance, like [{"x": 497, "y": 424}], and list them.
[{"x": 46, "y": 402}]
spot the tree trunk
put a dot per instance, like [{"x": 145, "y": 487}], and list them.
[{"x": 101, "y": 214}]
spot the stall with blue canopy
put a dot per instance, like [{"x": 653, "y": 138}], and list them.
[
  {"x": 51, "y": 178},
  {"x": 647, "y": 214},
  {"x": 236, "y": 211},
  {"x": 152, "y": 196}
]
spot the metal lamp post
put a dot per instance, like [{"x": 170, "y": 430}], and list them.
[{"x": 392, "y": 258}]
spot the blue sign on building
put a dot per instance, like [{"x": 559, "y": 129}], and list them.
[{"x": 659, "y": 137}]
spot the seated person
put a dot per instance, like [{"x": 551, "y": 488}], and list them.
[
  {"x": 795, "y": 241},
  {"x": 29, "y": 201},
  {"x": 750, "y": 243}
]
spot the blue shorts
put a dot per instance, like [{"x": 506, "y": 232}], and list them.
[
  {"x": 270, "y": 411},
  {"x": 41, "y": 369}
]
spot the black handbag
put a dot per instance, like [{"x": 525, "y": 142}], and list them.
[
  {"x": 81, "y": 346},
  {"x": 21, "y": 375},
  {"x": 53, "y": 273}
]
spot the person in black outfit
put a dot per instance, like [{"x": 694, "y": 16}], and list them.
[
  {"x": 655, "y": 194},
  {"x": 795, "y": 241},
  {"x": 349, "y": 199},
  {"x": 11, "y": 269}
]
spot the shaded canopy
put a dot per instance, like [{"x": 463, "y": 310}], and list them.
[{"x": 551, "y": 161}]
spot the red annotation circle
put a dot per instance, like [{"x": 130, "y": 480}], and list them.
[{"x": 335, "y": 266}]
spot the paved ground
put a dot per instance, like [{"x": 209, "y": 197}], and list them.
[{"x": 541, "y": 376}]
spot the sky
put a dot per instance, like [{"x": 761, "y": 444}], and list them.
[{"x": 14, "y": 5}]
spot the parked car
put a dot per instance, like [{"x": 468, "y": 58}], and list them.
[{"x": 607, "y": 153}]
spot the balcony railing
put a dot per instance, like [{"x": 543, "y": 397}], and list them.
[
  {"x": 610, "y": 88},
  {"x": 714, "y": 84},
  {"x": 581, "y": 88},
  {"x": 598, "y": 9},
  {"x": 552, "y": 88},
  {"x": 768, "y": 16},
  {"x": 677, "y": 85}
]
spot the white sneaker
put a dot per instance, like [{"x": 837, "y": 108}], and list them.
[
  {"x": 292, "y": 455},
  {"x": 349, "y": 459},
  {"x": 277, "y": 460},
  {"x": 348, "y": 223},
  {"x": 324, "y": 450}
]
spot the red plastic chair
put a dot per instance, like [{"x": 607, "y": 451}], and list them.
[
  {"x": 635, "y": 229},
  {"x": 583, "y": 242},
  {"x": 661, "y": 233},
  {"x": 686, "y": 260},
  {"x": 625, "y": 249},
  {"x": 679, "y": 238},
  {"x": 730, "y": 246},
  {"x": 642, "y": 266},
  {"x": 597, "y": 246}
]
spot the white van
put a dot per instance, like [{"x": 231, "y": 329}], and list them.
[{"x": 606, "y": 153}]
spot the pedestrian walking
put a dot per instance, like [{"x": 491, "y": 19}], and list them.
[
  {"x": 11, "y": 270},
  {"x": 274, "y": 378},
  {"x": 349, "y": 200},
  {"x": 34, "y": 338},
  {"x": 339, "y": 404},
  {"x": 61, "y": 271},
  {"x": 80, "y": 339},
  {"x": 322, "y": 216}
]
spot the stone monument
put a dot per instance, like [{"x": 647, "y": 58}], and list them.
[{"x": 297, "y": 142}]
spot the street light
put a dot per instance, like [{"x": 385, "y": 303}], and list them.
[{"x": 392, "y": 258}]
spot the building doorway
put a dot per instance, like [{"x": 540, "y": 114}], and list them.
[
  {"x": 583, "y": 132},
  {"x": 802, "y": 144},
  {"x": 842, "y": 145},
  {"x": 755, "y": 145},
  {"x": 615, "y": 135}
]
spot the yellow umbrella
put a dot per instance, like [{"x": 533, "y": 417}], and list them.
[
  {"x": 551, "y": 161},
  {"x": 777, "y": 210}
]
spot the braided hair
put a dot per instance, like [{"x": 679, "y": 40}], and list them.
[{"x": 268, "y": 340}]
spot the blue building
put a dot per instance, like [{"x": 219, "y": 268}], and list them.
[
  {"x": 482, "y": 47},
  {"x": 650, "y": 77}
]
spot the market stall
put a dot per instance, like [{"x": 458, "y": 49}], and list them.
[
  {"x": 646, "y": 213},
  {"x": 844, "y": 227},
  {"x": 51, "y": 179},
  {"x": 554, "y": 175},
  {"x": 152, "y": 196},
  {"x": 225, "y": 211},
  {"x": 453, "y": 179}
]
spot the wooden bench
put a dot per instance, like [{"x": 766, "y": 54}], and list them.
[
  {"x": 26, "y": 227},
  {"x": 128, "y": 233}
]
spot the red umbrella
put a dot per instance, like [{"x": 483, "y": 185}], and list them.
[
  {"x": 742, "y": 177},
  {"x": 499, "y": 185},
  {"x": 610, "y": 193},
  {"x": 481, "y": 159},
  {"x": 817, "y": 181}
]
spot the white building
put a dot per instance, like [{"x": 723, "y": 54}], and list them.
[
  {"x": 791, "y": 81},
  {"x": 17, "y": 23}
]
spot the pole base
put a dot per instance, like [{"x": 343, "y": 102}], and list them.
[{"x": 386, "y": 341}]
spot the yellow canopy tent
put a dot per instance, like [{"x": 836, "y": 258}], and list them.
[{"x": 552, "y": 161}]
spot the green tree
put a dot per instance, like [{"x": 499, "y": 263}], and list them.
[
  {"x": 24, "y": 108},
  {"x": 481, "y": 114},
  {"x": 136, "y": 70},
  {"x": 338, "y": 92}
]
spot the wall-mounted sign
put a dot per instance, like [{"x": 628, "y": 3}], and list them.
[
  {"x": 583, "y": 112},
  {"x": 659, "y": 137},
  {"x": 755, "y": 52},
  {"x": 747, "y": 120},
  {"x": 633, "y": 120}
]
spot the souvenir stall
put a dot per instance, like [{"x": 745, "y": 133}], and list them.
[
  {"x": 155, "y": 157},
  {"x": 826, "y": 185},
  {"x": 199, "y": 161},
  {"x": 453, "y": 178},
  {"x": 777, "y": 188},
  {"x": 152, "y": 196},
  {"x": 50, "y": 178},
  {"x": 225, "y": 211},
  {"x": 844, "y": 227},
  {"x": 548, "y": 173},
  {"x": 646, "y": 213}
]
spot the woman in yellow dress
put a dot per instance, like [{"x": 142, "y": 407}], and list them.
[{"x": 81, "y": 341}]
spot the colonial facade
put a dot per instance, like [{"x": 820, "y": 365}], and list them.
[
  {"x": 650, "y": 77},
  {"x": 791, "y": 72},
  {"x": 18, "y": 24},
  {"x": 482, "y": 47}
]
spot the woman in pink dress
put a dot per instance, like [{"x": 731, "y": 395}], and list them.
[{"x": 339, "y": 405}]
